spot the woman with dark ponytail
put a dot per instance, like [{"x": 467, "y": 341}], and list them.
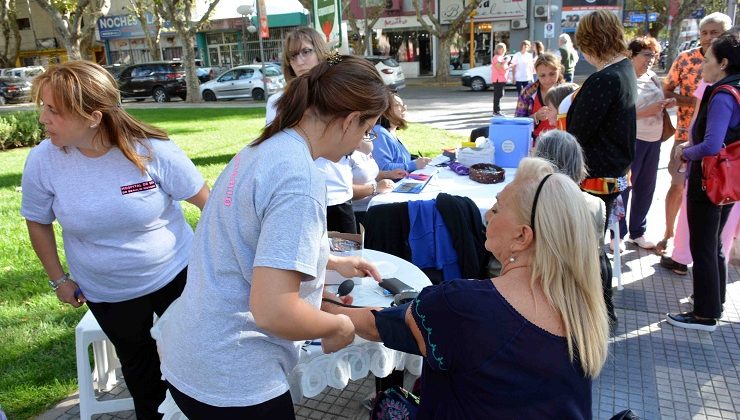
[{"x": 261, "y": 252}]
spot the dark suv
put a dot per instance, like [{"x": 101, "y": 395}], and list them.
[{"x": 160, "y": 80}]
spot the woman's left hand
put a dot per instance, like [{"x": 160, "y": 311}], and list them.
[
  {"x": 354, "y": 267},
  {"x": 669, "y": 103},
  {"x": 678, "y": 153}
]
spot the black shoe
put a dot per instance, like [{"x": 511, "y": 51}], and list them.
[
  {"x": 676, "y": 267},
  {"x": 688, "y": 320}
]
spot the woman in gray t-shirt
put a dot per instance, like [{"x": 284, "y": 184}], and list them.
[{"x": 260, "y": 253}]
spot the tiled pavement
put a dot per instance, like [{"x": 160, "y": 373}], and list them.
[{"x": 659, "y": 371}]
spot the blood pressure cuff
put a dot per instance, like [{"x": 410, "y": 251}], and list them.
[{"x": 396, "y": 335}]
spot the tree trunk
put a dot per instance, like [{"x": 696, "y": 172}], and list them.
[
  {"x": 188, "y": 61},
  {"x": 73, "y": 48},
  {"x": 443, "y": 58}
]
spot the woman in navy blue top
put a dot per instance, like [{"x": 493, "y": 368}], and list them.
[{"x": 525, "y": 344}]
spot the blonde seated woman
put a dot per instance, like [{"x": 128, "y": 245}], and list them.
[{"x": 523, "y": 345}]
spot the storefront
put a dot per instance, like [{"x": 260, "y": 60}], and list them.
[
  {"x": 399, "y": 34},
  {"x": 493, "y": 22}
]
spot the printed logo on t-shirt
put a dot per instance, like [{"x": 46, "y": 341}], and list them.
[{"x": 139, "y": 186}]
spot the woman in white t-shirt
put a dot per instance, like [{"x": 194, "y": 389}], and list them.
[
  {"x": 522, "y": 64},
  {"x": 304, "y": 49},
  {"x": 644, "y": 169}
]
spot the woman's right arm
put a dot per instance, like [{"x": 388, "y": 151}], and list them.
[
  {"x": 278, "y": 309},
  {"x": 383, "y": 149},
  {"x": 44, "y": 244}
]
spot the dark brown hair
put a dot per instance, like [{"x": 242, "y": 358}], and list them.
[
  {"x": 600, "y": 35},
  {"x": 641, "y": 43},
  {"x": 332, "y": 91},
  {"x": 83, "y": 87},
  {"x": 293, "y": 42},
  {"x": 727, "y": 46}
]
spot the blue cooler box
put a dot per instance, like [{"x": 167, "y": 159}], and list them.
[{"x": 511, "y": 138}]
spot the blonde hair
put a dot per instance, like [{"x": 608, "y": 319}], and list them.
[
  {"x": 600, "y": 34},
  {"x": 293, "y": 43},
  {"x": 566, "y": 259},
  {"x": 82, "y": 87}
]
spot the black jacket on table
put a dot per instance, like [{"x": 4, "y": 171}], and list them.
[{"x": 603, "y": 119}]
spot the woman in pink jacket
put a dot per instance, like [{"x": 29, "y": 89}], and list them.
[{"x": 499, "y": 70}]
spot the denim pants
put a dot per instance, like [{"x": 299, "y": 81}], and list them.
[{"x": 644, "y": 174}]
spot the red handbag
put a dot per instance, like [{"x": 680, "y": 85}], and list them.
[{"x": 721, "y": 175}]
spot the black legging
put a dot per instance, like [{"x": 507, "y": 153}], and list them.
[{"x": 279, "y": 408}]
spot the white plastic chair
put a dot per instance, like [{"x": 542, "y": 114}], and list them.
[
  {"x": 103, "y": 378},
  {"x": 617, "y": 263}
]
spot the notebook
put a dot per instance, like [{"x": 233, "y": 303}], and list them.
[{"x": 415, "y": 182}]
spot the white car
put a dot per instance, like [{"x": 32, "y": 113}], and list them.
[
  {"x": 389, "y": 70},
  {"x": 244, "y": 82},
  {"x": 479, "y": 78}
]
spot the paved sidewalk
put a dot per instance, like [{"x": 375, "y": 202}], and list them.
[{"x": 659, "y": 371}]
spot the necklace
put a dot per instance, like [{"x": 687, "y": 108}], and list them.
[
  {"x": 612, "y": 61},
  {"x": 308, "y": 140}
]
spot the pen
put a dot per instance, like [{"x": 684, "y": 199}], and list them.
[{"x": 419, "y": 153}]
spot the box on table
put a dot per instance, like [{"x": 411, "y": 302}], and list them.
[
  {"x": 511, "y": 138},
  {"x": 343, "y": 244}
]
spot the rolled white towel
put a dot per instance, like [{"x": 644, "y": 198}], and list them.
[
  {"x": 414, "y": 364},
  {"x": 359, "y": 362},
  {"x": 294, "y": 381},
  {"x": 382, "y": 360}
]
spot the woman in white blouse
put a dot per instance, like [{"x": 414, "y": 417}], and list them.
[{"x": 649, "y": 106}]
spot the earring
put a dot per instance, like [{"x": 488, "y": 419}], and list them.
[
  {"x": 512, "y": 259},
  {"x": 93, "y": 126}
]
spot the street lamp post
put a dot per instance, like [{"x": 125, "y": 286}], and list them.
[{"x": 247, "y": 11}]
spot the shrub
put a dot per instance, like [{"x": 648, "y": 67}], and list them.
[{"x": 20, "y": 129}]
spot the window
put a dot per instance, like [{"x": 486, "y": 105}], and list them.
[
  {"x": 23, "y": 23},
  {"x": 229, "y": 76}
]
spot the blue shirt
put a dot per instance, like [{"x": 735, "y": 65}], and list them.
[
  {"x": 389, "y": 153},
  {"x": 485, "y": 360}
]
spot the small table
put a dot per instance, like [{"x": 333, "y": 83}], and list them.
[
  {"x": 317, "y": 370},
  {"x": 447, "y": 181}
]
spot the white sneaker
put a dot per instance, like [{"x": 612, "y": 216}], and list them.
[
  {"x": 642, "y": 243},
  {"x": 621, "y": 246}
]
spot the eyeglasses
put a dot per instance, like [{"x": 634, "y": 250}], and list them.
[
  {"x": 649, "y": 55},
  {"x": 369, "y": 136},
  {"x": 304, "y": 54}
]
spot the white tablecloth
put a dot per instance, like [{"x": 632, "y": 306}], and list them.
[
  {"x": 447, "y": 181},
  {"x": 316, "y": 370}
]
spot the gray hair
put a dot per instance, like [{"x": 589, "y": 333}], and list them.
[
  {"x": 719, "y": 18},
  {"x": 563, "y": 150},
  {"x": 564, "y": 39}
]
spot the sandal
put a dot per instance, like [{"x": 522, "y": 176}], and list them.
[{"x": 661, "y": 246}]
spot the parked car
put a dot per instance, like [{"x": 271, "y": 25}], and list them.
[
  {"x": 389, "y": 70},
  {"x": 160, "y": 80},
  {"x": 479, "y": 78},
  {"x": 27, "y": 73},
  {"x": 14, "y": 89},
  {"x": 244, "y": 82},
  {"x": 114, "y": 69}
]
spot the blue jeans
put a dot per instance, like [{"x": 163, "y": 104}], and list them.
[{"x": 644, "y": 174}]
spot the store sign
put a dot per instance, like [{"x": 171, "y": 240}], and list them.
[
  {"x": 327, "y": 18},
  {"x": 394, "y": 22},
  {"x": 487, "y": 10},
  {"x": 127, "y": 26},
  {"x": 573, "y": 10}
]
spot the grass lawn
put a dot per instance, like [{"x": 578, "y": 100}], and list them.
[{"x": 37, "y": 355}]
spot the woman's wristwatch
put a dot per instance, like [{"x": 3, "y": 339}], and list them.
[{"x": 58, "y": 282}]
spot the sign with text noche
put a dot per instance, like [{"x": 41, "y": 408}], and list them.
[
  {"x": 327, "y": 17},
  {"x": 126, "y": 26},
  {"x": 487, "y": 10},
  {"x": 264, "y": 29}
]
